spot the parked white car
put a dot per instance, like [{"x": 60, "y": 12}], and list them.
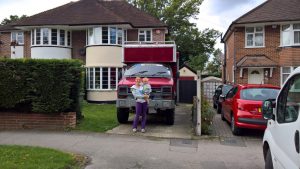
[{"x": 281, "y": 138}]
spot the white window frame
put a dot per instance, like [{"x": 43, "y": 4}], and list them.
[
  {"x": 88, "y": 73},
  {"x": 50, "y": 37},
  {"x": 291, "y": 35},
  {"x": 263, "y": 32},
  {"x": 16, "y": 34},
  {"x": 144, "y": 33},
  {"x": 100, "y": 41},
  {"x": 292, "y": 68}
]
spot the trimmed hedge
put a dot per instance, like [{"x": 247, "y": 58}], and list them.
[{"x": 41, "y": 86}]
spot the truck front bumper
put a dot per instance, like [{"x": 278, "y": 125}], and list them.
[{"x": 156, "y": 104}]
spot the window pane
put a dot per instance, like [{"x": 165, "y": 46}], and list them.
[
  {"x": 69, "y": 38},
  {"x": 113, "y": 78},
  {"x": 97, "y": 78},
  {"x": 286, "y": 27},
  {"x": 259, "y": 29},
  {"x": 286, "y": 38},
  {"x": 250, "y": 29},
  {"x": 91, "y": 36},
  {"x": 120, "y": 36},
  {"x": 45, "y": 32},
  {"x": 97, "y": 36},
  {"x": 284, "y": 77},
  {"x": 38, "y": 36},
  {"x": 32, "y": 37},
  {"x": 113, "y": 35},
  {"x": 91, "y": 73},
  {"x": 259, "y": 39},
  {"x": 286, "y": 70},
  {"x": 62, "y": 37},
  {"x": 13, "y": 36},
  {"x": 249, "y": 39},
  {"x": 142, "y": 37},
  {"x": 125, "y": 35},
  {"x": 120, "y": 74},
  {"x": 296, "y": 26},
  {"x": 104, "y": 78},
  {"x": 148, "y": 36},
  {"x": 105, "y": 35},
  {"x": 297, "y": 37},
  {"x": 20, "y": 37},
  {"x": 54, "y": 37}
]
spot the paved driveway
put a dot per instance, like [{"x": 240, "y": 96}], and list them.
[{"x": 156, "y": 128}]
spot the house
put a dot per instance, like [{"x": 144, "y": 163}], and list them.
[
  {"x": 94, "y": 31},
  {"x": 187, "y": 73},
  {"x": 262, "y": 46}
]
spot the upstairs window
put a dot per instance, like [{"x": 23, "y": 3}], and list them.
[
  {"x": 145, "y": 35},
  {"x": 17, "y": 37},
  {"x": 290, "y": 34},
  {"x": 255, "y": 36},
  {"x": 51, "y": 37},
  {"x": 105, "y": 36}
]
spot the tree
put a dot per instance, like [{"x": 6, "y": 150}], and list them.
[
  {"x": 11, "y": 19},
  {"x": 214, "y": 67},
  {"x": 177, "y": 15}
]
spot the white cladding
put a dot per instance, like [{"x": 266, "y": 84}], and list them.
[{"x": 50, "y": 53}]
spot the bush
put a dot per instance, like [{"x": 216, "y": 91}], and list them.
[
  {"x": 41, "y": 86},
  {"x": 207, "y": 116}
]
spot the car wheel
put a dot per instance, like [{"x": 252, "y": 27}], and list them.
[
  {"x": 268, "y": 162},
  {"x": 170, "y": 116},
  {"x": 222, "y": 115},
  {"x": 219, "y": 108},
  {"x": 235, "y": 130},
  {"x": 122, "y": 115}
]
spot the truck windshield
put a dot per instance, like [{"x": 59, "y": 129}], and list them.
[
  {"x": 148, "y": 70},
  {"x": 259, "y": 94}
]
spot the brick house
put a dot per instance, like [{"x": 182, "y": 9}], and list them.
[
  {"x": 263, "y": 46},
  {"x": 94, "y": 31}
]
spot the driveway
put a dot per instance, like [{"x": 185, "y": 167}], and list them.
[
  {"x": 182, "y": 127},
  {"x": 133, "y": 152}
]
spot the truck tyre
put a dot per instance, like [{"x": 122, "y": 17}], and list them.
[
  {"x": 268, "y": 162},
  {"x": 123, "y": 114},
  {"x": 235, "y": 130},
  {"x": 170, "y": 116}
]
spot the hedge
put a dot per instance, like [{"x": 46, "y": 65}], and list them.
[{"x": 40, "y": 86}]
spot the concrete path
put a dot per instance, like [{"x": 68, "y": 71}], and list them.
[
  {"x": 133, "y": 152},
  {"x": 156, "y": 128}
]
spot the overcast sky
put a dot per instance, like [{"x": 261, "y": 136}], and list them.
[{"x": 217, "y": 14}]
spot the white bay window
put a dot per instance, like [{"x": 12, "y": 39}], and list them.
[
  {"x": 290, "y": 34},
  {"x": 254, "y": 36},
  {"x": 103, "y": 78},
  {"x": 105, "y": 36},
  {"x": 51, "y": 37}
]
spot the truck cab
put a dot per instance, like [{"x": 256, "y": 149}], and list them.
[
  {"x": 158, "y": 62},
  {"x": 281, "y": 139}
]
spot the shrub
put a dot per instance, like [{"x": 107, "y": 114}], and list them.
[
  {"x": 207, "y": 116},
  {"x": 42, "y": 86}
]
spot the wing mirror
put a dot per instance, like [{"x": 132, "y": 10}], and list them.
[{"x": 267, "y": 109}]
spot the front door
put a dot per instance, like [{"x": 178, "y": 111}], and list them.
[
  {"x": 255, "y": 76},
  {"x": 286, "y": 128}
]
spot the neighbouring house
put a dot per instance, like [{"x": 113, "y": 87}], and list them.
[
  {"x": 94, "y": 31},
  {"x": 263, "y": 46},
  {"x": 187, "y": 73}
]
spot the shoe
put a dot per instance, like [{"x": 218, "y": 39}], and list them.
[
  {"x": 143, "y": 130},
  {"x": 134, "y": 130}
]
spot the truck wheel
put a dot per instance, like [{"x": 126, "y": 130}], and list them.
[
  {"x": 235, "y": 130},
  {"x": 123, "y": 114},
  {"x": 170, "y": 116},
  {"x": 269, "y": 163}
]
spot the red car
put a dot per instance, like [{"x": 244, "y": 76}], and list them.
[{"x": 242, "y": 106}]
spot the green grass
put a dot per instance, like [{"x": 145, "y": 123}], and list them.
[
  {"x": 24, "y": 157},
  {"x": 98, "y": 117}
]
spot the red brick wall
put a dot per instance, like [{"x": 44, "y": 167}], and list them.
[
  {"x": 158, "y": 35},
  {"x": 5, "y": 50},
  {"x": 229, "y": 58},
  {"x": 78, "y": 45},
  {"x": 27, "y": 44},
  {"x": 9, "y": 120},
  {"x": 289, "y": 56}
]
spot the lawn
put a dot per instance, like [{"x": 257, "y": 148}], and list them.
[
  {"x": 98, "y": 117},
  {"x": 23, "y": 157}
]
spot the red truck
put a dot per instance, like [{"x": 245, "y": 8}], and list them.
[{"x": 159, "y": 62}]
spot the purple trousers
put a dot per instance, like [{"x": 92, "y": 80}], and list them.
[{"x": 140, "y": 110}]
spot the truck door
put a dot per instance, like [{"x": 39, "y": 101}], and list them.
[{"x": 287, "y": 126}]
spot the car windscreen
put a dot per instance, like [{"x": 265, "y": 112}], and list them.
[
  {"x": 259, "y": 94},
  {"x": 148, "y": 70},
  {"x": 226, "y": 89}
]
